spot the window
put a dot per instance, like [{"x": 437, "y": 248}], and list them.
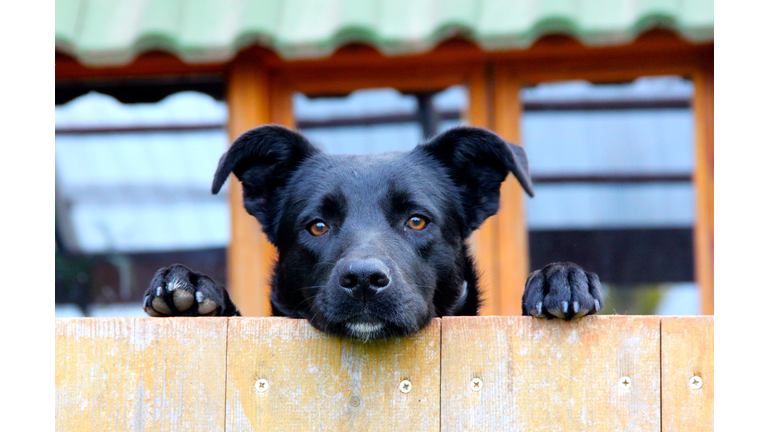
[
  {"x": 377, "y": 120},
  {"x": 133, "y": 195},
  {"x": 612, "y": 168}
]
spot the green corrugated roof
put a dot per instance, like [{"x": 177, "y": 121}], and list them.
[{"x": 113, "y": 32}]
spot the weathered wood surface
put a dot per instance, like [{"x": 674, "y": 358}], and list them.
[
  {"x": 131, "y": 374},
  {"x": 465, "y": 373},
  {"x": 688, "y": 362},
  {"x": 704, "y": 181},
  {"x": 547, "y": 375},
  {"x": 319, "y": 382}
]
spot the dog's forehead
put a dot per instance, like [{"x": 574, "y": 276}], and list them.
[{"x": 368, "y": 177}]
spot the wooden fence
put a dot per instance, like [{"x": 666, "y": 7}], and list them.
[{"x": 604, "y": 373}]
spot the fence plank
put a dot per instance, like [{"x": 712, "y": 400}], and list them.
[
  {"x": 688, "y": 351},
  {"x": 319, "y": 382},
  {"x": 177, "y": 374},
  {"x": 95, "y": 389},
  {"x": 140, "y": 374},
  {"x": 549, "y": 375}
]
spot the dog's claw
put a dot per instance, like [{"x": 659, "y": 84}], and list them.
[
  {"x": 536, "y": 311},
  {"x": 172, "y": 293},
  {"x": 204, "y": 306},
  {"x": 567, "y": 291},
  {"x": 578, "y": 311}
]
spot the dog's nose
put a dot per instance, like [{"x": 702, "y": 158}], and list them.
[{"x": 364, "y": 279}]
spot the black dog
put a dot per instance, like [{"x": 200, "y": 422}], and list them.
[{"x": 373, "y": 246}]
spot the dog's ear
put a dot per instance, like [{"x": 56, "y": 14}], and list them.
[
  {"x": 263, "y": 159},
  {"x": 478, "y": 161}
]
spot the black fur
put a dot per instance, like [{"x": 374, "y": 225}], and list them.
[{"x": 371, "y": 275}]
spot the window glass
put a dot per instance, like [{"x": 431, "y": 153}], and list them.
[{"x": 376, "y": 120}]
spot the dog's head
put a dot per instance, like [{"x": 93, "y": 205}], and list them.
[{"x": 371, "y": 246}]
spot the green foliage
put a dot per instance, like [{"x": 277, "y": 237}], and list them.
[
  {"x": 73, "y": 278},
  {"x": 632, "y": 300}
]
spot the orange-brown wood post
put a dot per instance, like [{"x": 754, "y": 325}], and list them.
[
  {"x": 512, "y": 235},
  {"x": 250, "y": 255},
  {"x": 281, "y": 97},
  {"x": 484, "y": 242},
  {"x": 704, "y": 180}
]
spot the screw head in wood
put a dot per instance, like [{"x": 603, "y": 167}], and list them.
[
  {"x": 476, "y": 384},
  {"x": 262, "y": 385},
  {"x": 405, "y": 386},
  {"x": 625, "y": 383},
  {"x": 695, "y": 382}
]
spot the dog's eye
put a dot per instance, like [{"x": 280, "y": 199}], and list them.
[
  {"x": 317, "y": 228},
  {"x": 417, "y": 222}
]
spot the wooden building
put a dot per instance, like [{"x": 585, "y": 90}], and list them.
[{"x": 267, "y": 50}]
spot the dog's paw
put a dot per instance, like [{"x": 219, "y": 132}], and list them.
[
  {"x": 178, "y": 291},
  {"x": 562, "y": 290}
]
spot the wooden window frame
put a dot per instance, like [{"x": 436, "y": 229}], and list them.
[{"x": 693, "y": 62}]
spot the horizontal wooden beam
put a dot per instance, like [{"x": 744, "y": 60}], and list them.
[
  {"x": 629, "y": 178},
  {"x": 602, "y": 373},
  {"x": 108, "y": 130}
]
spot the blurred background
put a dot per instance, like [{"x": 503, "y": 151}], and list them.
[{"x": 144, "y": 111}]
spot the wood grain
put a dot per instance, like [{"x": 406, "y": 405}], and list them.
[
  {"x": 333, "y": 79},
  {"x": 704, "y": 182},
  {"x": 687, "y": 345},
  {"x": 319, "y": 382},
  {"x": 187, "y": 374},
  {"x": 96, "y": 382},
  {"x": 140, "y": 374},
  {"x": 514, "y": 263},
  {"x": 541, "y": 375}
]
